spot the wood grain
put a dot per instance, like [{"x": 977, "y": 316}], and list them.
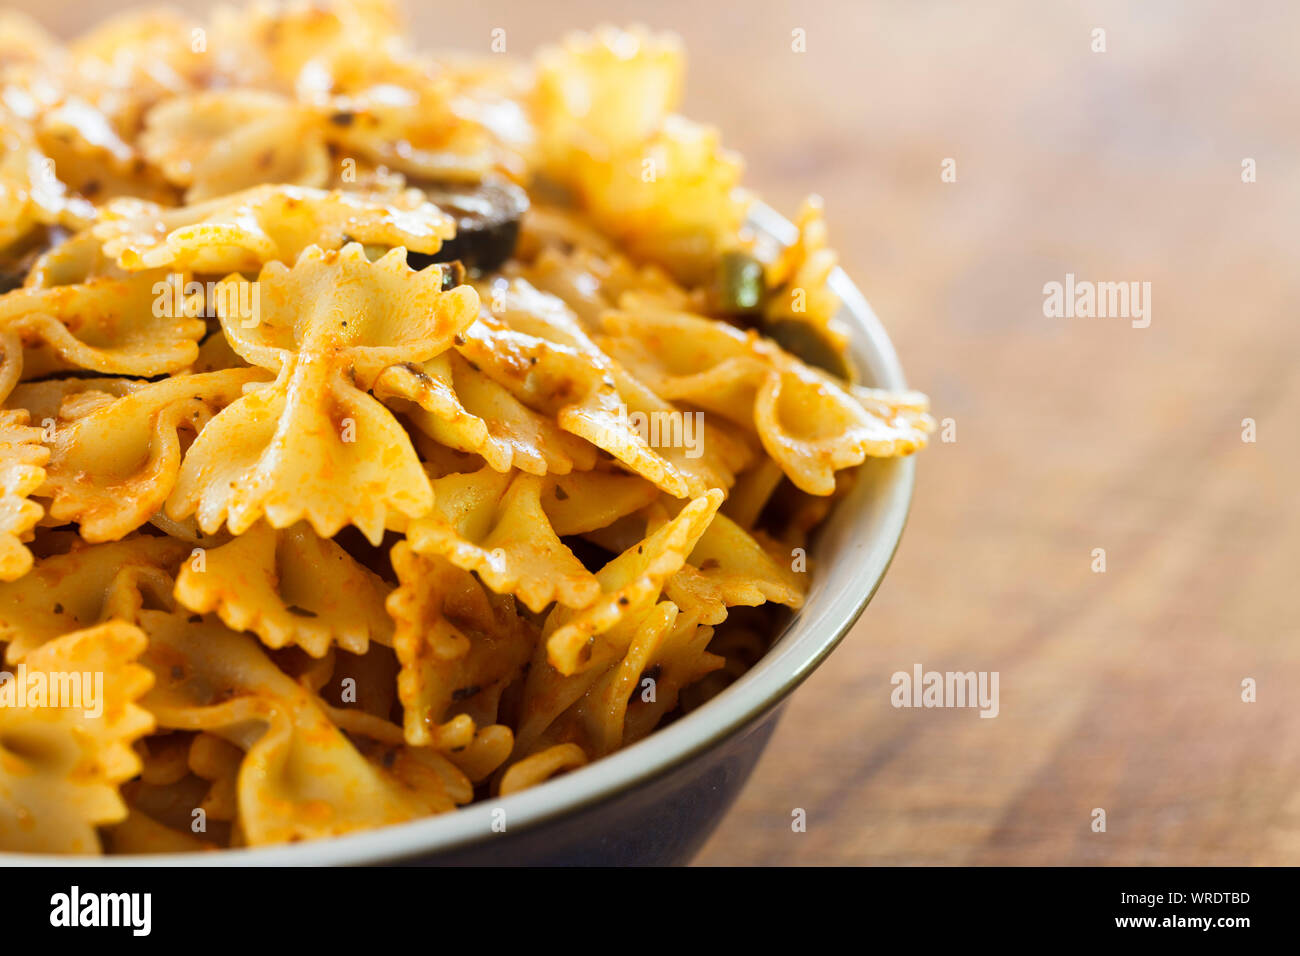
[{"x": 1119, "y": 690}]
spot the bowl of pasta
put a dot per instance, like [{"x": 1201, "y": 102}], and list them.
[{"x": 408, "y": 459}]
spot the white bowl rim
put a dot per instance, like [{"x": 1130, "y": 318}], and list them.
[{"x": 812, "y": 634}]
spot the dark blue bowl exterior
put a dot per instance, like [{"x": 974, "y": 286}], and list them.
[{"x": 657, "y": 822}]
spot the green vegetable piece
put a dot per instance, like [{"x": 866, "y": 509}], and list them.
[{"x": 740, "y": 283}]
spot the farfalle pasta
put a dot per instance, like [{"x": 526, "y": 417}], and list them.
[{"x": 383, "y": 433}]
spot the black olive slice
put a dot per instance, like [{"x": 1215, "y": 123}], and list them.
[{"x": 487, "y": 224}]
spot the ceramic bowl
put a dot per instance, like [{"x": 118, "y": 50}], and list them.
[{"x": 657, "y": 801}]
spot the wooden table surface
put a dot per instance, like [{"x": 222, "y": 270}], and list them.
[{"x": 1120, "y": 690}]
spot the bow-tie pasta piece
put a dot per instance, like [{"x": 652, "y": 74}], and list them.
[
  {"x": 86, "y": 586},
  {"x": 140, "y": 57},
  {"x": 541, "y": 766},
  {"x": 670, "y": 663},
  {"x": 32, "y": 194},
  {"x": 625, "y": 693},
  {"x": 752, "y": 492},
  {"x": 813, "y": 438},
  {"x": 801, "y": 274},
  {"x": 596, "y": 397},
  {"x": 550, "y": 696},
  {"x": 429, "y": 779},
  {"x": 192, "y": 784},
  {"x": 438, "y": 130},
  {"x": 683, "y": 217},
  {"x": 222, "y": 141},
  {"x": 113, "y": 326},
  {"x": 22, "y": 461},
  {"x": 91, "y": 157},
  {"x": 349, "y": 62},
  {"x": 901, "y": 409},
  {"x": 376, "y": 101},
  {"x": 677, "y": 449},
  {"x": 366, "y": 687},
  {"x": 464, "y": 753},
  {"x": 459, "y": 407},
  {"x": 698, "y": 361},
  {"x": 88, "y": 100},
  {"x": 543, "y": 371},
  {"x": 606, "y": 91},
  {"x": 290, "y": 587},
  {"x": 364, "y": 316},
  {"x": 460, "y": 647},
  {"x": 493, "y": 523},
  {"x": 587, "y": 278},
  {"x": 74, "y": 260},
  {"x": 485, "y": 753},
  {"x": 164, "y": 758},
  {"x": 25, "y": 42},
  {"x": 216, "y": 761},
  {"x": 500, "y": 527},
  {"x": 54, "y": 399},
  {"x": 627, "y": 700},
  {"x": 629, "y": 586},
  {"x": 301, "y": 777},
  {"x": 584, "y": 502},
  {"x": 245, "y": 231},
  {"x": 310, "y": 446},
  {"x": 185, "y": 779},
  {"x": 313, "y": 444},
  {"x": 807, "y": 421},
  {"x": 741, "y": 641},
  {"x": 280, "y": 46},
  {"x": 68, "y": 720},
  {"x": 141, "y": 833},
  {"x": 605, "y": 114},
  {"x": 113, "y": 468},
  {"x": 593, "y": 398},
  {"x": 731, "y": 567}
]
